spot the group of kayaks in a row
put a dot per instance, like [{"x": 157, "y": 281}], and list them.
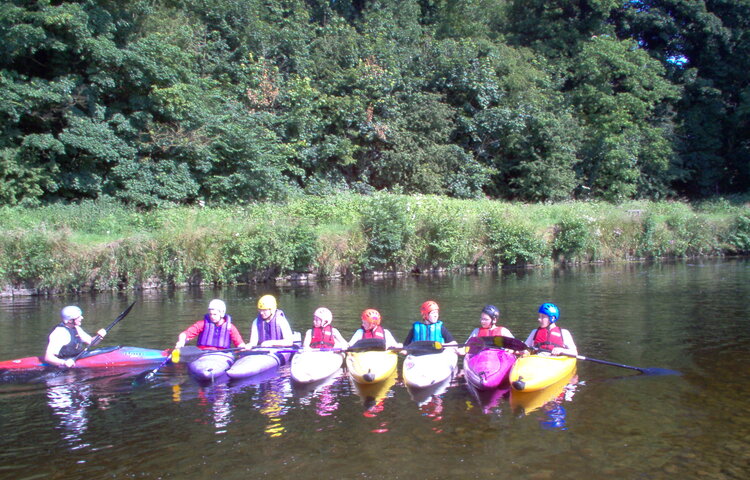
[{"x": 371, "y": 357}]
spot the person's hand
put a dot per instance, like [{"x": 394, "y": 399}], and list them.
[
  {"x": 102, "y": 332},
  {"x": 179, "y": 344},
  {"x": 68, "y": 363}
]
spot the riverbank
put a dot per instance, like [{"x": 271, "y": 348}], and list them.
[{"x": 104, "y": 246}]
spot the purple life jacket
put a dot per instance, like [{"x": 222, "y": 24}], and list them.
[
  {"x": 214, "y": 336},
  {"x": 269, "y": 330}
]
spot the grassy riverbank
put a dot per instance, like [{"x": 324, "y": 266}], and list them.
[{"x": 99, "y": 245}]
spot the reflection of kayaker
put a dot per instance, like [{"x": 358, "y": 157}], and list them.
[{"x": 67, "y": 339}]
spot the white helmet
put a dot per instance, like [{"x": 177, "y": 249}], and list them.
[
  {"x": 218, "y": 305},
  {"x": 324, "y": 315},
  {"x": 71, "y": 312}
]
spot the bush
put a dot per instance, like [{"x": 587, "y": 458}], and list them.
[
  {"x": 388, "y": 225},
  {"x": 574, "y": 238},
  {"x": 512, "y": 241}
]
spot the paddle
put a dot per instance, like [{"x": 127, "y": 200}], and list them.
[
  {"x": 509, "y": 343},
  {"x": 647, "y": 371},
  {"x": 173, "y": 357},
  {"x": 98, "y": 338}
]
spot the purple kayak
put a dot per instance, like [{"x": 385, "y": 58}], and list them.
[{"x": 488, "y": 368}]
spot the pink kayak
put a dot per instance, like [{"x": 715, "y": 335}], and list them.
[
  {"x": 100, "y": 357},
  {"x": 488, "y": 368}
]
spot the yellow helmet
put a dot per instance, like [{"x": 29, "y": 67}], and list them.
[{"x": 267, "y": 302}]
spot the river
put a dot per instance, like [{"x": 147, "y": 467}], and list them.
[{"x": 690, "y": 317}]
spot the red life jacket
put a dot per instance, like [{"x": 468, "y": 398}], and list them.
[
  {"x": 322, "y": 337},
  {"x": 376, "y": 332},
  {"x": 490, "y": 332},
  {"x": 548, "y": 338}
]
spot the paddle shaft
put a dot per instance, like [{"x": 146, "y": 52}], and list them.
[
  {"x": 98, "y": 338},
  {"x": 604, "y": 362}
]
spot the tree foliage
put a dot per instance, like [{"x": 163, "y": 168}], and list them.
[{"x": 184, "y": 101}]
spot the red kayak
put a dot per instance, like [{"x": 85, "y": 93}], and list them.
[{"x": 100, "y": 357}]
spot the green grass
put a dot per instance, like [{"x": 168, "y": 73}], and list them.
[{"x": 105, "y": 245}]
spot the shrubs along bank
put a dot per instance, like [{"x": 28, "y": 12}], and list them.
[{"x": 103, "y": 245}]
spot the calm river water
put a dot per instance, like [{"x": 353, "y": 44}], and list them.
[{"x": 614, "y": 423}]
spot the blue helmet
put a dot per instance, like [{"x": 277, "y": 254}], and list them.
[
  {"x": 551, "y": 310},
  {"x": 492, "y": 311}
]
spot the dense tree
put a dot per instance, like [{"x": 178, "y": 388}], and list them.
[{"x": 179, "y": 101}]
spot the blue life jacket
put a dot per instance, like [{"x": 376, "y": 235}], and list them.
[{"x": 432, "y": 332}]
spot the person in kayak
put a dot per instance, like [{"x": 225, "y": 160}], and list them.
[
  {"x": 431, "y": 328},
  {"x": 270, "y": 328},
  {"x": 323, "y": 334},
  {"x": 215, "y": 331},
  {"x": 68, "y": 339},
  {"x": 372, "y": 328},
  {"x": 488, "y": 326},
  {"x": 549, "y": 337}
]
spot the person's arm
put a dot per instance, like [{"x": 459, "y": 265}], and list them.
[
  {"x": 57, "y": 339},
  {"x": 308, "y": 339},
  {"x": 390, "y": 340},
  {"x": 473, "y": 334},
  {"x": 530, "y": 340},
  {"x": 338, "y": 339},
  {"x": 570, "y": 346},
  {"x": 253, "y": 333},
  {"x": 506, "y": 333},
  {"x": 236, "y": 337},
  {"x": 85, "y": 337},
  {"x": 192, "y": 331},
  {"x": 449, "y": 340},
  {"x": 356, "y": 337},
  {"x": 409, "y": 337}
]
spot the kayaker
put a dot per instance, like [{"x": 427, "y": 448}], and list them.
[
  {"x": 67, "y": 339},
  {"x": 431, "y": 328},
  {"x": 549, "y": 337},
  {"x": 270, "y": 328},
  {"x": 488, "y": 324},
  {"x": 215, "y": 331},
  {"x": 372, "y": 328},
  {"x": 323, "y": 334}
]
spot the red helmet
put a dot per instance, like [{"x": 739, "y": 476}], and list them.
[
  {"x": 371, "y": 316},
  {"x": 427, "y": 307}
]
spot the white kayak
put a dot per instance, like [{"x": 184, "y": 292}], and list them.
[
  {"x": 258, "y": 361},
  {"x": 211, "y": 365},
  {"x": 422, "y": 371},
  {"x": 313, "y": 365}
]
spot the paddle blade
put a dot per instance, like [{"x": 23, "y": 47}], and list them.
[
  {"x": 368, "y": 344},
  {"x": 506, "y": 342},
  {"x": 659, "y": 371},
  {"x": 423, "y": 348}
]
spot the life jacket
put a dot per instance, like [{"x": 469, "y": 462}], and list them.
[
  {"x": 490, "y": 332},
  {"x": 376, "y": 332},
  {"x": 269, "y": 330},
  {"x": 72, "y": 348},
  {"x": 548, "y": 338},
  {"x": 322, "y": 337},
  {"x": 432, "y": 332},
  {"x": 214, "y": 336}
]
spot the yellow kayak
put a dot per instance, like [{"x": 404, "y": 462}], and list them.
[
  {"x": 371, "y": 366},
  {"x": 536, "y": 372}
]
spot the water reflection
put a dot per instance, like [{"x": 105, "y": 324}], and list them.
[
  {"x": 273, "y": 397},
  {"x": 69, "y": 404},
  {"x": 218, "y": 398}
]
